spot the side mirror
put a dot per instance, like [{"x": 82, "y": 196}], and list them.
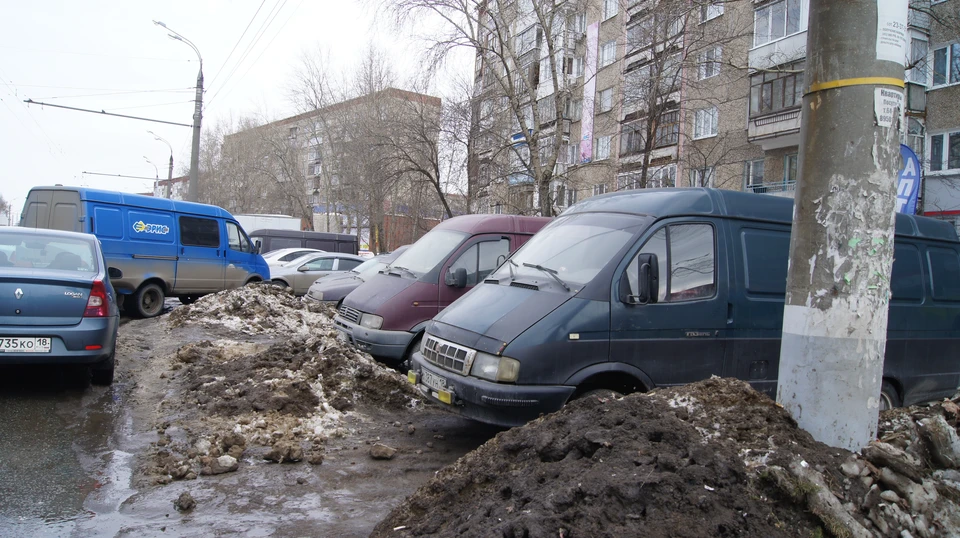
[
  {"x": 303, "y": 268},
  {"x": 456, "y": 278},
  {"x": 256, "y": 247},
  {"x": 648, "y": 280},
  {"x": 113, "y": 272}
]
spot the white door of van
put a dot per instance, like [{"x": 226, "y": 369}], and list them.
[{"x": 200, "y": 267}]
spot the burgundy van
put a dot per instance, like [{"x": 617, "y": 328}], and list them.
[{"x": 386, "y": 315}]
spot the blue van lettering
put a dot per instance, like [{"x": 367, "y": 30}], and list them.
[{"x": 159, "y": 229}]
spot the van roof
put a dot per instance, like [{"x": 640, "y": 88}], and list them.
[
  {"x": 725, "y": 203},
  {"x": 139, "y": 200},
  {"x": 477, "y": 224}
]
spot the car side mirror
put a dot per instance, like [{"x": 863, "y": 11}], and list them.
[
  {"x": 113, "y": 272},
  {"x": 303, "y": 268},
  {"x": 648, "y": 280},
  {"x": 456, "y": 278},
  {"x": 256, "y": 247}
]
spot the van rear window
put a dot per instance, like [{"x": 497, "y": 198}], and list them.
[{"x": 195, "y": 232}]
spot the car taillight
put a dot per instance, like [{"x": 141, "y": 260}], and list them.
[{"x": 97, "y": 303}]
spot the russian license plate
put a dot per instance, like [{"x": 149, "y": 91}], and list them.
[
  {"x": 433, "y": 381},
  {"x": 17, "y": 344}
]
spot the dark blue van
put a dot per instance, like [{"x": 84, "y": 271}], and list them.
[
  {"x": 163, "y": 247},
  {"x": 565, "y": 315}
]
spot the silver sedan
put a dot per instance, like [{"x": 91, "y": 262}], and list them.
[{"x": 298, "y": 274}]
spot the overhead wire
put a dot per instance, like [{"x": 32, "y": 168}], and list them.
[
  {"x": 130, "y": 92},
  {"x": 52, "y": 145},
  {"x": 235, "y": 45}
]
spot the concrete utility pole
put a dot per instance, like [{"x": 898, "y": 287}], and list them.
[{"x": 841, "y": 251}]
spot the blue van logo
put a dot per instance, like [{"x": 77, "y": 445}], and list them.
[{"x": 159, "y": 229}]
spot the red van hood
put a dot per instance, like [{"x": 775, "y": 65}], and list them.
[{"x": 401, "y": 302}]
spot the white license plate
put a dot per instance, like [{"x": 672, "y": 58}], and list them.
[
  {"x": 17, "y": 344},
  {"x": 433, "y": 381}
]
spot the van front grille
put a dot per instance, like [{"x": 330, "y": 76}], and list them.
[
  {"x": 350, "y": 314},
  {"x": 448, "y": 355}
]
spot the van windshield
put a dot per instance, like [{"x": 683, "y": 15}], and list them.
[
  {"x": 431, "y": 249},
  {"x": 573, "y": 248}
]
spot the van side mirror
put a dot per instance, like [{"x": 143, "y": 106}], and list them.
[
  {"x": 113, "y": 272},
  {"x": 256, "y": 246},
  {"x": 456, "y": 278},
  {"x": 648, "y": 280}
]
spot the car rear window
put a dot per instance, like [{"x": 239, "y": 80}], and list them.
[{"x": 47, "y": 252}]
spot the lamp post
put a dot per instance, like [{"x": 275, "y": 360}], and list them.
[
  {"x": 193, "y": 188},
  {"x": 156, "y": 174},
  {"x": 166, "y": 190}
]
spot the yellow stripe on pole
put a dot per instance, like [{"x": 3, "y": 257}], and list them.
[{"x": 859, "y": 81}]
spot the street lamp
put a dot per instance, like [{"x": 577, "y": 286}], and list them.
[
  {"x": 192, "y": 191},
  {"x": 156, "y": 174},
  {"x": 166, "y": 190}
]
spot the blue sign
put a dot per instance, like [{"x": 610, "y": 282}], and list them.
[{"x": 908, "y": 185}]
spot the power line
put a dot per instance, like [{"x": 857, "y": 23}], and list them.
[
  {"x": 51, "y": 144},
  {"x": 130, "y": 92},
  {"x": 214, "y": 79},
  {"x": 96, "y": 54},
  {"x": 157, "y": 104}
]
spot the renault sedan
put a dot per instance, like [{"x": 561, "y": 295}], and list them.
[
  {"x": 298, "y": 274},
  {"x": 56, "y": 302}
]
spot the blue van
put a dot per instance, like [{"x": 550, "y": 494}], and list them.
[
  {"x": 635, "y": 290},
  {"x": 163, "y": 247}
]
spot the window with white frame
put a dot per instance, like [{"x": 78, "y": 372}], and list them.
[
  {"x": 313, "y": 153},
  {"x": 570, "y": 153},
  {"x": 628, "y": 181},
  {"x": 945, "y": 151},
  {"x": 946, "y": 65},
  {"x": 776, "y": 20},
  {"x": 663, "y": 177},
  {"x": 632, "y": 137},
  {"x": 573, "y": 108},
  {"x": 608, "y": 53},
  {"x": 701, "y": 177},
  {"x": 710, "y": 11},
  {"x": 599, "y": 188},
  {"x": 610, "y": 8},
  {"x": 668, "y": 129},
  {"x": 528, "y": 39},
  {"x": 705, "y": 122},
  {"x": 315, "y": 169},
  {"x": 573, "y": 66},
  {"x": 914, "y": 137},
  {"x": 753, "y": 173},
  {"x": 605, "y": 100},
  {"x": 603, "y": 148},
  {"x": 709, "y": 64},
  {"x": 578, "y": 22},
  {"x": 918, "y": 62},
  {"x": 571, "y": 196},
  {"x": 791, "y": 168}
]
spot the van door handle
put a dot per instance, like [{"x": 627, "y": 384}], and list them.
[
  {"x": 181, "y": 250},
  {"x": 729, "y": 313}
]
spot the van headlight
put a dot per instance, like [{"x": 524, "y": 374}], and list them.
[
  {"x": 493, "y": 368},
  {"x": 371, "y": 321}
]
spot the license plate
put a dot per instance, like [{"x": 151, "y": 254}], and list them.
[
  {"x": 433, "y": 381},
  {"x": 17, "y": 344}
]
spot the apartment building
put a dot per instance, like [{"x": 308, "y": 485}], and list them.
[{"x": 693, "y": 93}]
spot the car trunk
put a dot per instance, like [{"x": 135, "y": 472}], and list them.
[{"x": 54, "y": 299}]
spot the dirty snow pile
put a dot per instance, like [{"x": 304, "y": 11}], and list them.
[
  {"x": 255, "y": 309},
  {"x": 713, "y": 458},
  {"x": 288, "y": 397}
]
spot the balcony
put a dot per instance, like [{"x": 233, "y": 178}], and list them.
[
  {"x": 778, "y": 130},
  {"x": 780, "y": 51},
  {"x": 785, "y": 189}
]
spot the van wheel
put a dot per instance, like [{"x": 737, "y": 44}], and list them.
[
  {"x": 149, "y": 300},
  {"x": 889, "y": 398},
  {"x": 102, "y": 373},
  {"x": 407, "y": 361}
]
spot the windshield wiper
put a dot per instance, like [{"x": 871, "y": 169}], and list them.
[
  {"x": 511, "y": 266},
  {"x": 551, "y": 272}
]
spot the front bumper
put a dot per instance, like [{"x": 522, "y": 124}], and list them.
[
  {"x": 68, "y": 344},
  {"x": 379, "y": 343},
  {"x": 486, "y": 401}
]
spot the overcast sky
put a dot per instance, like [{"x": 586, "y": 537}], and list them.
[{"x": 109, "y": 56}]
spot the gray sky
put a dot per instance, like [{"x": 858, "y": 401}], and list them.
[{"x": 109, "y": 56}]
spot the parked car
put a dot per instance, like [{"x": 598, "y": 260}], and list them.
[
  {"x": 331, "y": 289},
  {"x": 636, "y": 290},
  {"x": 386, "y": 315},
  {"x": 57, "y": 305},
  {"x": 283, "y": 255},
  {"x": 298, "y": 274},
  {"x": 163, "y": 247}
]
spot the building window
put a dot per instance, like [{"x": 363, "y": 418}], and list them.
[
  {"x": 914, "y": 136},
  {"x": 702, "y": 177},
  {"x": 528, "y": 39},
  {"x": 946, "y": 65},
  {"x": 573, "y": 66},
  {"x": 603, "y": 148},
  {"x": 710, "y": 62},
  {"x": 776, "y": 20},
  {"x": 572, "y": 109},
  {"x": 918, "y": 62},
  {"x": 315, "y": 169},
  {"x": 663, "y": 177},
  {"x": 790, "y": 169},
  {"x": 313, "y": 153},
  {"x": 705, "y": 122},
  {"x": 605, "y": 100},
  {"x": 668, "y": 129},
  {"x": 599, "y": 188},
  {"x": 570, "y": 153},
  {"x": 610, "y": 8},
  {"x": 753, "y": 173},
  {"x": 776, "y": 90},
  {"x": 571, "y": 196},
  {"x": 628, "y": 181},
  {"x": 293, "y": 133},
  {"x": 578, "y": 22},
  {"x": 710, "y": 11},
  {"x": 631, "y": 138},
  {"x": 945, "y": 152},
  {"x": 608, "y": 53}
]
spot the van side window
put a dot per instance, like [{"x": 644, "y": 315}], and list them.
[
  {"x": 196, "y": 232},
  {"x": 906, "y": 281},
  {"x": 688, "y": 251},
  {"x": 945, "y": 272},
  {"x": 481, "y": 259},
  {"x": 236, "y": 239}
]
